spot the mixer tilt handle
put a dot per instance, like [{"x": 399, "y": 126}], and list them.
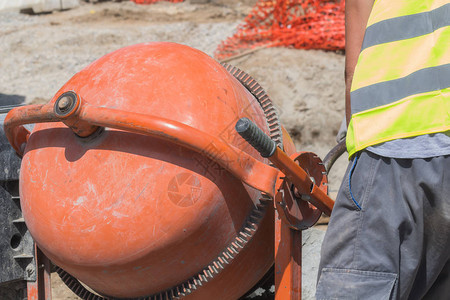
[
  {"x": 256, "y": 137},
  {"x": 267, "y": 148},
  {"x": 84, "y": 120}
]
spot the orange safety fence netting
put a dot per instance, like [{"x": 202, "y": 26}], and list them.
[
  {"x": 154, "y": 1},
  {"x": 302, "y": 24}
]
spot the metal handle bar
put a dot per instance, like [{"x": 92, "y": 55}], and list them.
[
  {"x": 85, "y": 119},
  {"x": 334, "y": 154},
  {"x": 301, "y": 180}
]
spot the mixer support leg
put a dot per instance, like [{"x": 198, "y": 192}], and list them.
[
  {"x": 41, "y": 288},
  {"x": 288, "y": 261}
]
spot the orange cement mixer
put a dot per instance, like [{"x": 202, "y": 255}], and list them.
[{"x": 136, "y": 183}]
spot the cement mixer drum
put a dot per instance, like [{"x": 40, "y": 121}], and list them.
[{"x": 132, "y": 215}]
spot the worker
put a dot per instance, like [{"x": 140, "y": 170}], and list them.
[{"x": 389, "y": 232}]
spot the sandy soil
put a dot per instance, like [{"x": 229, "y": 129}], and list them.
[{"x": 39, "y": 53}]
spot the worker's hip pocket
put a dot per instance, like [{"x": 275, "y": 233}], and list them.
[
  {"x": 359, "y": 179},
  {"x": 355, "y": 284}
]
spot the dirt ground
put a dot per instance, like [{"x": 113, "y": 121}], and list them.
[{"x": 39, "y": 53}]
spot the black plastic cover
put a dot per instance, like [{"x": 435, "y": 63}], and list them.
[{"x": 16, "y": 245}]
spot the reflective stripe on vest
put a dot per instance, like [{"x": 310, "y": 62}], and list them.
[{"x": 401, "y": 84}]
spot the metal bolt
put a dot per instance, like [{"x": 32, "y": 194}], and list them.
[
  {"x": 64, "y": 103},
  {"x": 305, "y": 197}
]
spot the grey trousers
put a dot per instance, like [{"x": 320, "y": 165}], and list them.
[{"x": 389, "y": 233}]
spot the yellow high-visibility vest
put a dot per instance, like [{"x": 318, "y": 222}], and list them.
[{"x": 401, "y": 84}]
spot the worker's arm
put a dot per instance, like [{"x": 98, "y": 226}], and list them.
[{"x": 356, "y": 15}]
